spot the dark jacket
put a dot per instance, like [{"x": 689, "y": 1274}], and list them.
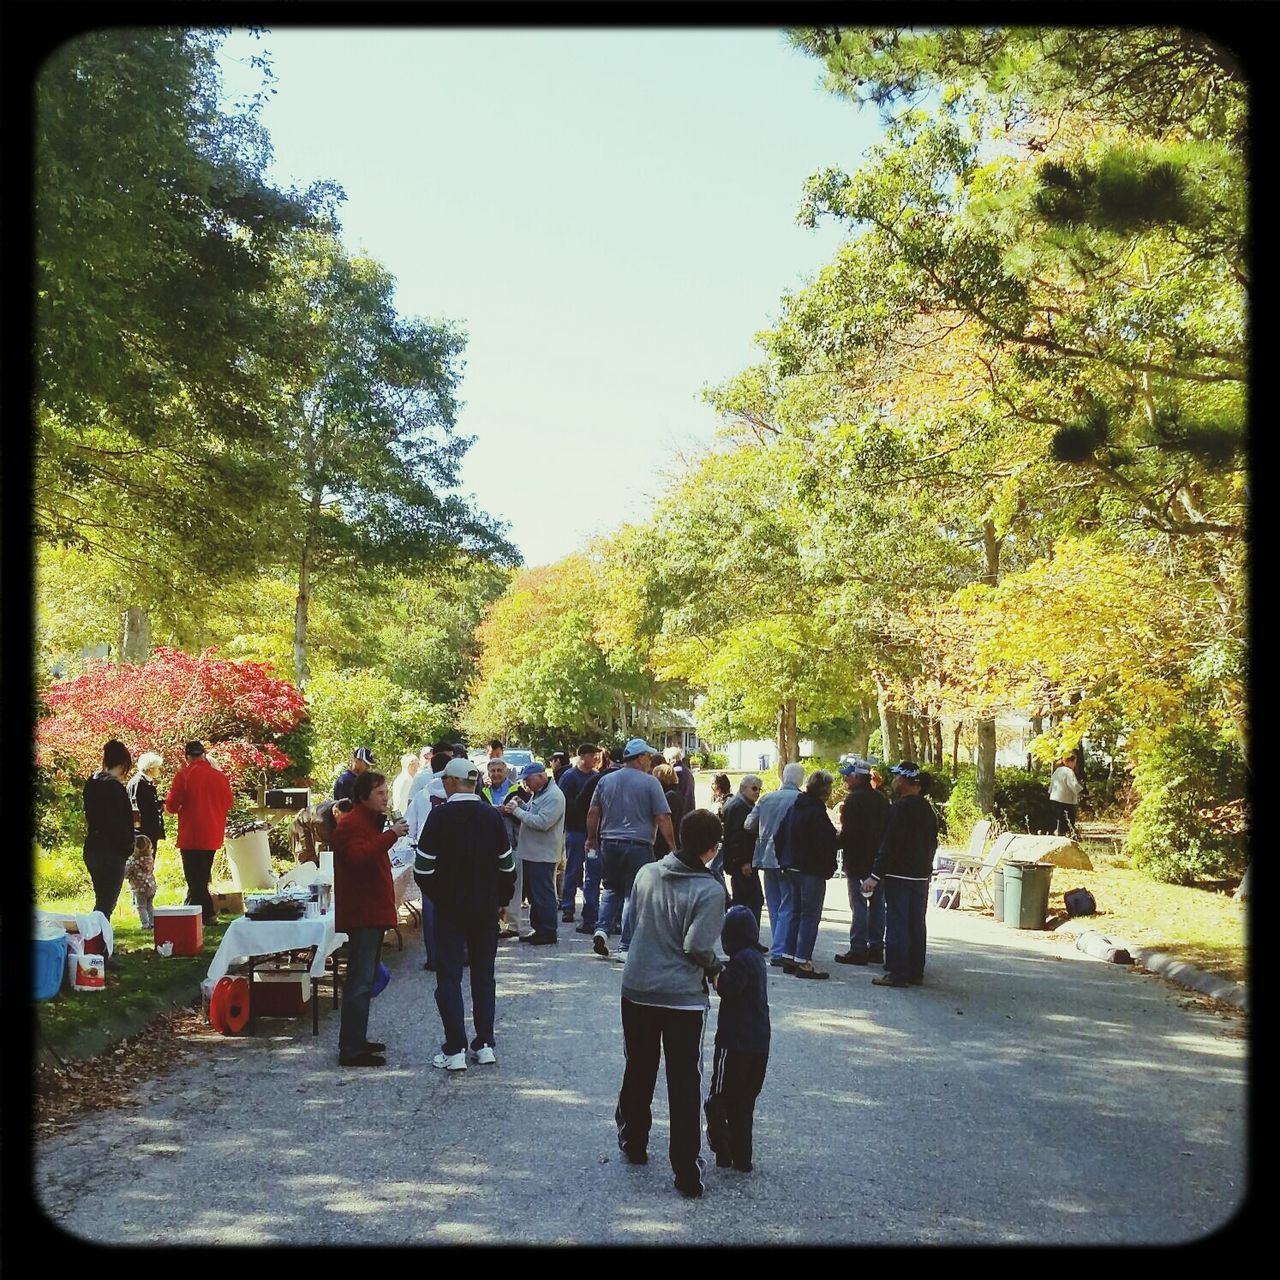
[
  {"x": 142, "y": 795},
  {"x": 464, "y": 862},
  {"x": 909, "y": 842},
  {"x": 676, "y": 800},
  {"x": 344, "y": 788},
  {"x": 862, "y": 819},
  {"x": 684, "y": 776},
  {"x": 364, "y": 895},
  {"x": 108, "y": 816},
  {"x": 738, "y": 845},
  {"x": 806, "y": 840},
  {"x": 743, "y": 986},
  {"x": 577, "y": 787}
]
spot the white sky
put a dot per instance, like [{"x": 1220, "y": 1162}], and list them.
[{"x": 610, "y": 215}]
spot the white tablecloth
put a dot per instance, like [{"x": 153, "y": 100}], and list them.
[
  {"x": 245, "y": 938},
  {"x": 406, "y": 885}
]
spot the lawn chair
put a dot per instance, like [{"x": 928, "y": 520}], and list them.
[{"x": 972, "y": 875}]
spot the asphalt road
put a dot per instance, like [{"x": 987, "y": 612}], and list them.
[{"x": 1025, "y": 1094}]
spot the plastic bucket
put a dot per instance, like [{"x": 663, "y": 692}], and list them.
[
  {"x": 48, "y": 966},
  {"x": 250, "y": 860}
]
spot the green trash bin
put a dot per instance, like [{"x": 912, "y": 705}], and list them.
[
  {"x": 997, "y": 893},
  {"x": 1026, "y": 894}
]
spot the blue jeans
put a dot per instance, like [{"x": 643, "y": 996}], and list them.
[
  {"x": 777, "y": 896},
  {"x": 479, "y": 937},
  {"x": 866, "y": 933},
  {"x": 620, "y": 860},
  {"x": 363, "y": 949},
  {"x": 591, "y": 867},
  {"x": 904, "y": 940},
  {"x": 540, "y": 885},
  {"x": 807, "y": 895},
  {"x": 574, "y": 857}
]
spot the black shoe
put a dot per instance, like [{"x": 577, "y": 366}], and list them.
[
  {"x": 567, "y": 917},
  {"x": 429, "y": 967},
  {"x": 851, "y": 957},
  {"x": 788, "y": 966},
  {"x": 363, "y": 1059},
  {"x": 585, "y": 928},
  {"x": 374, "y": 1046},
  {"x": 540, "y": 938},
  {"x": 779, "y": 963},
  {"x": 111, "y": 964},
  {"x": 690, "y": 1190},
  {"x": 723, "y": 1161},
  {"x": 744, "y": 1166},
  {"x": 635, "y": 1157}
]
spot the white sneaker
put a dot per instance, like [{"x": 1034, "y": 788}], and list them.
[
  {"x": 451, "y": 1061},
  {"x": 484, "y": 1056}
]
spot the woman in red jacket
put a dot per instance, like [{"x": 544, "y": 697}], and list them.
[
  {"x": 201, "y": 797},
  {"x": 364, "y": 905}
]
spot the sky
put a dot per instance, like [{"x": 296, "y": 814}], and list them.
[{"x": 608, "y": 214}]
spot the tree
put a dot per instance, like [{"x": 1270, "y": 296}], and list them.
[{"x": 367, "y": 429}]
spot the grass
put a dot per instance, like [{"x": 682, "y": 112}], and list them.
[{"x": 79, "y": 1025}]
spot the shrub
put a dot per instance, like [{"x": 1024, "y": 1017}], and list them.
[
  {"x": 60, "y": 873},
  {"x": 1191, "y": 822},
  {"x": 1021, "y": 802},
  {"x": 713, "y": 760}
]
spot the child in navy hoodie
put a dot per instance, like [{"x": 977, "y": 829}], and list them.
[{"x": 742, "y": 1041}]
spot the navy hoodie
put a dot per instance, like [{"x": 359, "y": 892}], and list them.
[{"x": 743, "y": 986}]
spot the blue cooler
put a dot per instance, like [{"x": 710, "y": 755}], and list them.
[{"x": 48, "y": 966}]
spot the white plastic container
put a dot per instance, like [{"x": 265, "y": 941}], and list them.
[{"x": 250, "y": 860}]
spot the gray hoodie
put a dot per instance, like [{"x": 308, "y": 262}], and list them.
[{"x": 677, "y": 911}]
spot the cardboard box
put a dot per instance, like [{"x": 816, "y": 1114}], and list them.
[{"x": 228, "y": 900}]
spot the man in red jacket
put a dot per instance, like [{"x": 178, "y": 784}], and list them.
[
  {"x": 364, "y": 908},
  {"x": 201, "y": 797}
]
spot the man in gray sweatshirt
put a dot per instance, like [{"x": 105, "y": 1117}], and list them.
[{"x": 677, "y": 911}]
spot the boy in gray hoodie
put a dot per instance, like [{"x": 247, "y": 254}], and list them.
[{"x": 677, "y": 908}]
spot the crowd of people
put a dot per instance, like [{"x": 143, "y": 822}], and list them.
[{"x": 500, "y": 856}]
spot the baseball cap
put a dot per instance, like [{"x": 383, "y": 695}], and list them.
[
  {"x": 534, "y": 766},
  {"x": 463, "y": 769},
  {"x": 855, "y": 766},
  {"x": 638, "y": 747},
  {"x": 907, "y": 769},
  {"x": 363, "y": 753},
  {"x": 194, "y": 749}
]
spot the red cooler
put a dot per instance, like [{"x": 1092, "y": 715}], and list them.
[{"x": 183, "y": 926}]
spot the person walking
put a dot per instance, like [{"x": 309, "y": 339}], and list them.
[
  {"x": 677, "y": 908},
  {"x": 904, "y": 863},
  {"x": 108, "y": 816},
  {"x": 628, "y": 808},
  {"x": 1065, "y": 788},
  {"x": 862, "y": 819},
  {"x": 806, "y": 850},
  {"x": 361, "y": 761},
  {"x": 764, "y": 820},
  {"x": 468, "y": 870},
  {"x": 576, "y": 784},
  {"x": 541, "y": 822},
  {"x": 738, "y": 849},
  {"x": 742, "y": 1041},
  {"x": 364, "y": 908},
  {"x": 201, "y": 797}
]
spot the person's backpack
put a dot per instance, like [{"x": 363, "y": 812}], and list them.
[{"x": 1079, "y": 902}]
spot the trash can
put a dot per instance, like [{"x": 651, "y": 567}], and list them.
[
  {"x": 997, "y": 893},
  {"x": 1026, "y": 894},
  {"x": 249, "y": 857}
]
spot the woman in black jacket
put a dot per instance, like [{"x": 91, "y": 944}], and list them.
[
  {"x": 108, "y": 816},
  {"x": 806, "y": 849},
  {"x": 145, "y": 800}
]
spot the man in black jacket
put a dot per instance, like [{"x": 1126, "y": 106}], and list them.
[
  {"x": 465, "y": 866},
  {"x": 739, "y": 846},
  {"x": 577, "y": 784},
  {"x": 862, "y": 819},
  {"x": 905, "y": 864}
]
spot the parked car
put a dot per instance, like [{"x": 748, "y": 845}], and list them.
[{"x": 516, "y": 758}]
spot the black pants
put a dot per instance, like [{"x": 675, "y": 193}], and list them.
[
  {"x": 1065, "y": 818},
  {"x": 106, "y": 871},
  {"x": 647, "y": 1031},
  {"x": 736, "y": 1080},
  {"x": 197, "y": 866},
  {"x": 748, "y": 893}
]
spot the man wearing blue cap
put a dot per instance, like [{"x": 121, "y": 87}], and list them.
[
  {"x": 361, "y": 760},
  {"x": 628, "y": 809},
  {"x": 862, "y": 818},
  {"x": 540, "y": 848},
  {"x": 905, "y": 864}
]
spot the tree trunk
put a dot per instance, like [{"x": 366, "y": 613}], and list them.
[
  {"x": 890, "y": 744},
  {"x": 985, "y": 781},
  {"x": 955, "y": 749},
  {"x": 788, "y": 735},
  {"x": 937, "y": 740},
  {"x": 301, "y": 617},
  {"x": 135, "y": 643}
]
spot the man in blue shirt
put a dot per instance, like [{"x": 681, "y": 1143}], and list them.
[
  {"x": 575, "y": 783},
  {"x": 361, "y": 760}
]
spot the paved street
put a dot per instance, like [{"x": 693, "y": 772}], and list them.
[{"x": 1025, "y": 1094}]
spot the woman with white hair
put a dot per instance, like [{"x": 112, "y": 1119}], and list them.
[
  {"x": 147, "y": 808},
  {"x": 409, "y": 766}
]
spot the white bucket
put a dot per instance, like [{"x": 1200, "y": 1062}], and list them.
[
  {"x": 250, "y": 859},
  {"x": 326, "y": 864}
]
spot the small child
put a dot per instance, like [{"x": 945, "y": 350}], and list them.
[
  {"x": 140, "y": 871},
  {"x": 742, "y": 1041}
]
